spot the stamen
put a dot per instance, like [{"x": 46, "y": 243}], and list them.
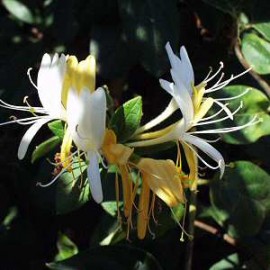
[
  {"x": 105, "y": 166},
  {"x": 30, "y": 78},
  {"x": 217, "y": 72},
  {"x": 252, "y": 122},
  {"x": 68, "y": 158},
  {"x": 6, "y": 105},
  {"x": 214, "y": 115},
  {"x": 221, "y": 119},
  {"x": 227, "y": 110},
  {"x": 223, "y": 84},
  {"x": 24, "y": 121},
  {"x": 208, "y": 74},
  {"x": 235, "y": 97},
  {"x": 117, "y": 195},
  {"x": 54, "y": 179},
  {"x": 219, "y": 80},
  {"x": 181, "y": 226}
]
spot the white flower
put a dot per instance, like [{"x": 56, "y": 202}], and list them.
[
  {"x": 194, "y": 106},
  {"x": 49, "y": 87},
  {"x": 86, "y": 117}
]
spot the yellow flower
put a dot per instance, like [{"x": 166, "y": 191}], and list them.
[
  {"x": 163, "y": 179},
  {"x": 159, "y": 177}
]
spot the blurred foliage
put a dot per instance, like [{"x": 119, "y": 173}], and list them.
[{"x": 59, "y": 226}]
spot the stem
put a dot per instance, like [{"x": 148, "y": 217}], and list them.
[
  {"x": 192, "y": 211},
  {"x": 210, "y": 229},
  {"x": 192, "y": 208}
]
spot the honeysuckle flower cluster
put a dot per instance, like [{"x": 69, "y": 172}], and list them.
[{"x": 67, "y": 91}]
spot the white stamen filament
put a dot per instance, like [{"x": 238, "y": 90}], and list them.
[
  {"x": 61, "y": 173},
  {"x": 234, "y": 97},
  {"x": 25, "y": 121},
  {"x": 30, "y": 78},
  {"x": 223, "y": 84},
  {"x": 252, "y": 122},
  {"x": 224, "y": 107},
  {"x": 217, "y": 72},
  {"x": 208, "y": 74},
  {"x": 21, "y": 108},
  {"x": 214, "y": 115},
  {"x": 220, "y": 119}
]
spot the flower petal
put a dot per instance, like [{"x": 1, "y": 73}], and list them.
[
  {"x": 29, "y": 135},
  {"x": 182, "y": 99},
  {"x": 163, "y": 179},
  {"x": 94, "y": 176},
  {"x": 189, "y": 73},
  {"x": 50, "y": 83},
  {"x": 207, "y": 149},
  {"x": 86, "y": 114}
]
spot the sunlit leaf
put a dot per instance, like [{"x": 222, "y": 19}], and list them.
[
  {"x": 263, "y": 29},
  {"x": 66, "y": 248},
  {"x": 257, "y": 52},
  {"x": 57, "y": 128},
  {"x": 127, "y": 119},
  {"x": 230, "y": 262},
  {"x": 19, "y": 10}
]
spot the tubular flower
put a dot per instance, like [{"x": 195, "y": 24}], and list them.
[
  {"x": 194, "y": 106},
  {"x": 159, "y": 178},
  {"x": 86, "y": 117},
  {"x": 49, "y": 87}
]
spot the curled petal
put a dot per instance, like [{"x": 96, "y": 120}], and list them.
[
  {"x": 94, "y": 177},
  {"x": 208, "y": 149},
  {"x": 29, "y": 135}
]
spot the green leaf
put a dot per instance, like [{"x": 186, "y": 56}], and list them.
[
  {"x": 19, "y": 11},
  {"x": 231, "y": 262},
  {"x": 263, "y": 29},
  {"x": 127, "y": 119},
  {"x": 244, "y": 196},
  {"x": 111, "y": 207},
  {"x": 254, "y": 103},
  {"x": 44, "y": 148},
  {"x": 57, "y": 128},
  {"x": 66, "y": 248},
  {"x": 257, "y": 53},
  {"x": 72, "y": 189},
  {"x": 118, "y": 257}
]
